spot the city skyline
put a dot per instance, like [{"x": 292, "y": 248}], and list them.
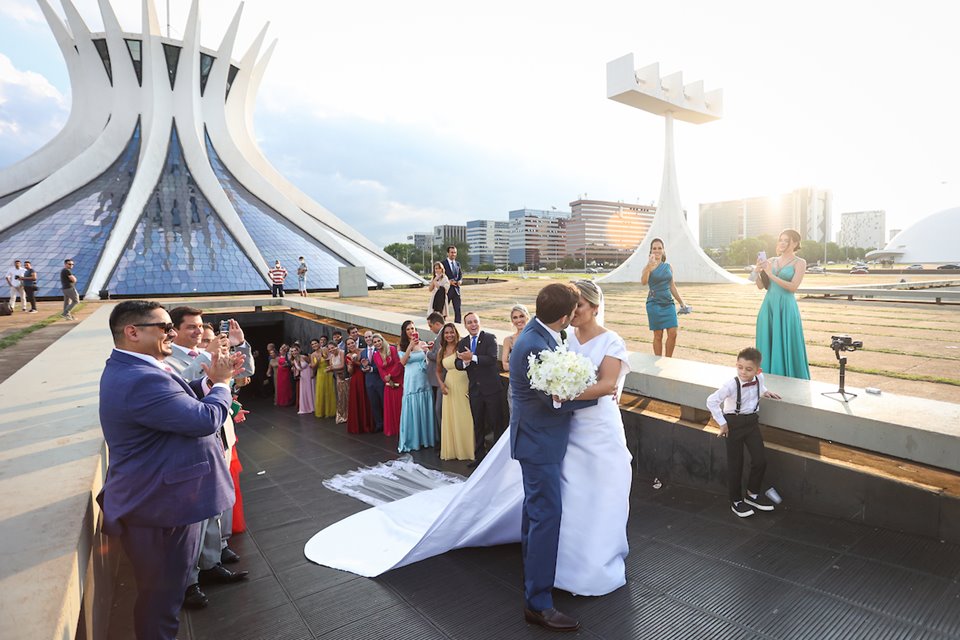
[{"x": 412, "y": 118}]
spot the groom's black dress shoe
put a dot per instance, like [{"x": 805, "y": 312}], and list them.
[
  {"x": 551, "y": 619},
  {"x": 221, "y": 575}
]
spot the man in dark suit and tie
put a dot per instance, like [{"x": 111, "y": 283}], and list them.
[
  {"x": 373, "y": 381},
  {"x": 539, "y": 431},
  {"x": 166, "y": 472},
  {"x": 477, "y": 355},
  {"x": 452, "y": 268}
]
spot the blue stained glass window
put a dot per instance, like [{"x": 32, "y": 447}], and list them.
[
  {"x": 180, "y": 245},
  {"x": 76, "y": 226},
  {"x": 276, "y": 237}
]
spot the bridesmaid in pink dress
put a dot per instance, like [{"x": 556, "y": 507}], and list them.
[
  {"x": 391, "y": 370},
  {"x": 284, "y": 379},
  {"x": 307, "y": 392}
]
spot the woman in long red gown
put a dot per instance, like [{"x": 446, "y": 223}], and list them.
[
  {"x": 284, "y": 379},
  {"x": 391, "y": 370},
  {"x": 359, "y": 419}
]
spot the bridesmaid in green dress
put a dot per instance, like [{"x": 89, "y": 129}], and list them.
[{"x": 779, "y": 330}]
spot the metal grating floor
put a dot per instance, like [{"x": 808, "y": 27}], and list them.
[{"x": 695, "y": 571}]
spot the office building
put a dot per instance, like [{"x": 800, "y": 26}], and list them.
[
  {"x": 808, "y": 210},
  {"x": 447, "y": 233},
  {"x": 863, "y": 229},
  {"x": 606, "y": 232},
  {"x": 489, "y": 242},
  {"x": 537, "y": 237}
]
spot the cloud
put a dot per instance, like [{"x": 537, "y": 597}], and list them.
[
  {"x": 390, "y": 179},
  {"x": 32, "y": 111},
  {"x": 21, "y": 11}
]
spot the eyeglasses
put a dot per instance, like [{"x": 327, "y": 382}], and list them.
[{"x": 166, "y": 327}]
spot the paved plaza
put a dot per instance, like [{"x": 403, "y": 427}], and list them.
[{"x": 694, "y": 570}]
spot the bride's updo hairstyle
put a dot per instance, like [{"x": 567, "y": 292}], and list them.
[
  {"x": 590, "y": 292},
  {"x": 556, "y": 300}
]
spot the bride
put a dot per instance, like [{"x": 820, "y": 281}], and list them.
[{"x": 486, "y": 509}]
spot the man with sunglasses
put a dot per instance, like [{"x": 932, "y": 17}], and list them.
[{"x": 166, "y": 472}]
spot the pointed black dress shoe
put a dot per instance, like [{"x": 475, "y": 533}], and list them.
[
  {"x": 228, "y": 556},
  {"x": 551, "y": 620},
  {"x": 193, "y": 598},
  {"x": 221, "y": 575}
]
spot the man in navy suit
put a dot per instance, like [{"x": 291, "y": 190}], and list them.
[
  {"x": 539, "y": 431},
  {"x": 166, "y": 472},
  {"x": 372, "y": 380},
  {"x": 452, "y": 268},
  {"x": 477, "y": 355}
]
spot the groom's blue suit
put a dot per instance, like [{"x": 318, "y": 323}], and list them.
[{"x": 538, "y": 440}]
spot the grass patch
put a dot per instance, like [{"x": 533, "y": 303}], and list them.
[{"x": 17, "y": 336}]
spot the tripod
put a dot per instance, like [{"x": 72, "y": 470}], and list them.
[{"x": 841, "y": 394}]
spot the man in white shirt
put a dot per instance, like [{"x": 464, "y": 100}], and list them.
[{"x": 13, "y": 277}]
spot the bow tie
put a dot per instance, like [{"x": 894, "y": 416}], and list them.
[{"x": 748, "y": 384}]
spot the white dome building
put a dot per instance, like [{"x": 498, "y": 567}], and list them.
[
  {"x": 932, "y": 239},
  {"x": 156, "y": 184}
]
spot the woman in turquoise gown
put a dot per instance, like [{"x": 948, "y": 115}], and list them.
[
  {"x": 417, "y": 428},
  {"x": 661, "y": 312},
  {"x": 779, "y": 330}
]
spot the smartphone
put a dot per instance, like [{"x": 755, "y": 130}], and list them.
[
  {"x": 416, "y": 336},
  {"x": 224, "y": 326},
  {"x": 761, "y": 255}
]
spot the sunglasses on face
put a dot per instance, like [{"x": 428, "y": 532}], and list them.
[{"x": 166, "y": 327}]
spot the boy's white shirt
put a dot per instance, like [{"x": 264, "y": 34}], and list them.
[{"x": 724, "y": 399}]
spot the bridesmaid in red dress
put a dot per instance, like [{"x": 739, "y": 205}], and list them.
[
  {"x": 359, "y": 419},
  {"x": 391, "y": 370},
  {"x": 284, "y": 379}
]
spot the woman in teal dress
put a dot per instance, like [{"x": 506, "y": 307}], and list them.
[
  {"x": 661, "y": 312},
  {"x": 417, "y": 428},
  {"x": 779, "y": 330}
]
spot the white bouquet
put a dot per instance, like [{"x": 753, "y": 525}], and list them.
[{"x": 560, "y": 372}]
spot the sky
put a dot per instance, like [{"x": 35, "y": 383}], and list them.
[{"x": 398, "y": 116}]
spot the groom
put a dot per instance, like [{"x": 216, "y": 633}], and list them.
[{"x": 539, "y": 430}]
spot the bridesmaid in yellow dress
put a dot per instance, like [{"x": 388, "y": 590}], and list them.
[
  {"x": 326, "y": 400},
  {"x": 456, "y": 431}
]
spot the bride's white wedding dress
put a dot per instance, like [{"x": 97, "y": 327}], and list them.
[{"x": 485, "y": 510}]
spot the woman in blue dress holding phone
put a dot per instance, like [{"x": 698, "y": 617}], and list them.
[
  {"x": 661, "y": 311},
  {"x": 779, "y": 329}
]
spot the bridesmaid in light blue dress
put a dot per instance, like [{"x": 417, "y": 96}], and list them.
[
  {"x": 661, "y": 312},
  {"x": 779, "y": 329},
  {"x": 417, "y": 428}
]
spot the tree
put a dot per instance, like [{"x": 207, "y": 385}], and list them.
[{"x": 402, "y": 251}]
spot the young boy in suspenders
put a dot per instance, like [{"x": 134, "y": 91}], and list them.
[{"x": 734, "y": 406}]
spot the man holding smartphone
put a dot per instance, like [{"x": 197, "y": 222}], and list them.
[{"x": 187, "y": 359}]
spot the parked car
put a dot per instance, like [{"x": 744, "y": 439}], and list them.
[
  {"x": 859, "y": 270},
  {"x": 816, "y": 269},
  {"x": 497, "y": 271},
  {"x": 949, "y": 266},
  {"x": 915, "y": 267},
  {"x": 831, "y": 262}
]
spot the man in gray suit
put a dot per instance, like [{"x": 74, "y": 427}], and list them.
[
  {"x": 435, "y": 322},
  {"x": 187, "y": 359}
]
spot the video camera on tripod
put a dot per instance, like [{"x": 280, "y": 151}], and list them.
[
  {"x": 838, "y": 344},
  {"x": 844, "y": 343}
]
